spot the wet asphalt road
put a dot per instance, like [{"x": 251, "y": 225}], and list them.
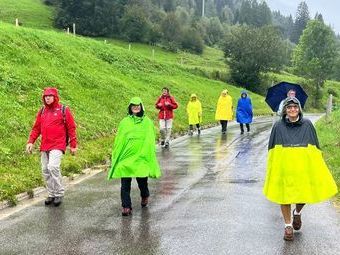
[{"x": 208, "y": 201}]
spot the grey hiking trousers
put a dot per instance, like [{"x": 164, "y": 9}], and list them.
[{"x": 50, "y": 164}]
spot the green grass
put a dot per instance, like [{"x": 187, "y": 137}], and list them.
[
  {"x": 31, "y": 13},
  {"x": 97, "y": 81},
  {"x": 329, "y": 138}
]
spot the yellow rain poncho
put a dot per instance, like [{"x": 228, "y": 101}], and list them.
[
  {"x": 194, "y": 110},
  {"x": 224, "y": 110}
]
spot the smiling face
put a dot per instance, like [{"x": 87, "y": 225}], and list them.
[
  {"x": 292, "y": 111},
  {"x": 135, "y": 109},
  {"x": 165, "y": 92},
  {"x": 49, "y": 99}
]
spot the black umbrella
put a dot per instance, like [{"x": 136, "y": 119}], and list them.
[{"x": 278, "y": 92}]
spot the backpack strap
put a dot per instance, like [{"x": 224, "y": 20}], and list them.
[{"x": 63, "y": 110}]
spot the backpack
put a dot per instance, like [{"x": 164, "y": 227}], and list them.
[{"x": 63, "y": 110}]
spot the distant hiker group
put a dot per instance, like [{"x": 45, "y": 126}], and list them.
[{"x": 296, "y": 172}]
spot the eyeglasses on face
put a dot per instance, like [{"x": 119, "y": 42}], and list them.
[{"x": 292, "y": 107}]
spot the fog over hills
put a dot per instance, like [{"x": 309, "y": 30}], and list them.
[{"x": 328, "y": 8}]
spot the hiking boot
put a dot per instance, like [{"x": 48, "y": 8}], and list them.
[
  {"x": 126, "y": 211},
  {"x": 242, "y": 132},
  {"x": 144, "y": 202},
  {"x": 57, "y": 201},
  {"x": 289, "y": 234},
  {"x": 297, "y": 223},
  {"x": 49, "y": 200}
]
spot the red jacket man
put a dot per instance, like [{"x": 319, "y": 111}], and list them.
[
  {"x": 166, "y": 104},
  {"x": 55, "y": 123}
]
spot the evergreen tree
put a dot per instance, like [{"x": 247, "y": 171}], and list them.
[
  {"x": 301, "y": 20},
  {"x": 315, "y": 54}
]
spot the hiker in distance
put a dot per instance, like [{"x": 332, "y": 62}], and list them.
[
  {"x": 224, "y": 110},
  {"x": 194, "y": 111},
  {"x": 296, "y": 171},
  {"x": 55, "y": 123},
  {"x": 166, "y": 104},
  {"x": 134, "y": 154},
  {"x": 244, "y": 111}
]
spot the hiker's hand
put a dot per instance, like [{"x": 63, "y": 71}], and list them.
[
  {"x": 29, "y": 147},
  {"x": 73, "y": 151},
  {"x": 167, "y": 103}
]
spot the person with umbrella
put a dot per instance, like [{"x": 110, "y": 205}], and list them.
[
  {"x": 296, "y": 171},
  {"x": 134, "y": 154},
  {"x": 194, "y": 111},
  {"x": 291, "y": 93},
  {"x": 244, "y": 111},
  {"x": 279, "y": 92},
  {"x": 224, "y": 110}
]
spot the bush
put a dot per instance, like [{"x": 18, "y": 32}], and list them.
[{"x": 192, "y": 41}]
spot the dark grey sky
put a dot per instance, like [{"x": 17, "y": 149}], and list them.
[{"x": 328, "y": 8}]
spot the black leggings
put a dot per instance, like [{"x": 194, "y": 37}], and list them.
[
  {"x": 224, "y": 124},
  {"x": 126, "y": 188}
]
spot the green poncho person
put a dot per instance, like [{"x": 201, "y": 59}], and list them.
[
  {"x": 134, "y": 150},
  {"x": 134, "y": 154}
]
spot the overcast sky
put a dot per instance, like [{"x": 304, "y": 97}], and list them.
[{"x": 328, "y": 8}]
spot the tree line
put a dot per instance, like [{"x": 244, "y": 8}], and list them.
[{"x": 254, "y": 39}]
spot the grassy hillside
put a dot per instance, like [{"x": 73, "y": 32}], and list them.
[
  {"x": 329, "y": 136},
  {"x": 31, "y": 13},
  {"x": 96, "y": 80}
]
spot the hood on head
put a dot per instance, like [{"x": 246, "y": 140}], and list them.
[
  {"x": 192, "y": 96},
  {"x": 244, "y": 92},
  {"x": 225, "y": 91},
  {"x": 136, "y": 101},
  {"x": 51, "y": 92},
  {"x": 291, "y": 100}
]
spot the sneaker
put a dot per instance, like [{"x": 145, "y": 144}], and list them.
[
  {"x": 49, "y": 200},
  {"x": 144, "y": 202},
  {"x": 57, "y": 201},
  {"x": 297, "y": 223},
  {"x": 162, "y": 143},
  {"x": 126, "y": 211},
  {"x": 289, "y": 234}
]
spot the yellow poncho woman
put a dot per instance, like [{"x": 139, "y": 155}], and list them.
[
  {"x": 194, "y": 110},
  {"x": 296, "y": 171},
  {"x": 224, "y": 110}
]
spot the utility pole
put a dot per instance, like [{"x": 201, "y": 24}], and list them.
[{"x": 203, "y": 3}]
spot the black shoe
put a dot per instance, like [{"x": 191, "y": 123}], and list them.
[
  {"x": 57, "y": 201},
  {"x": 248, "y": 130},
  {"x": 166, "y": 145},
  {"x": 49, "y": 200},
  {"x": 242, "y": 132},
  {"x": 162, "y": 143}
]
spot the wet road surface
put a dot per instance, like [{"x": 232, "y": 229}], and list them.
[{"x": 208, "y": 201}]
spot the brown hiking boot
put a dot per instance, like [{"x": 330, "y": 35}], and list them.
[
  {"x": 289, "y": 234},
  {"x": 297, "y": 223},
  {"x": 126, "y": 211},
  {"x": 144, "y": 202}
]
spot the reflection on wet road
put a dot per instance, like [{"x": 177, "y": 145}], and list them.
[{"x": 208, "y": 201}]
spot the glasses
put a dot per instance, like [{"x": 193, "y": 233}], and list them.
[{"x": 289, "y": 107}]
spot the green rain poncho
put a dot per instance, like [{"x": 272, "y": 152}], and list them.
[{"x": 134, "y": 150}]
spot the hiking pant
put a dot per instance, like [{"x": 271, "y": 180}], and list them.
[
  {"x": 191, "y": 127},
  {"x": 165, "y": 129},
  {"x": 224, "y": 124},
  {"x": 126, "y": 188},
  {"x": 50, "y": 164},
  {"x": 242, "y": 129}
]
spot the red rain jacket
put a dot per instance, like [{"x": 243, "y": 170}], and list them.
[
  {"x": 166, "y": 112},
  {"x": 50, "y": 125}
]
